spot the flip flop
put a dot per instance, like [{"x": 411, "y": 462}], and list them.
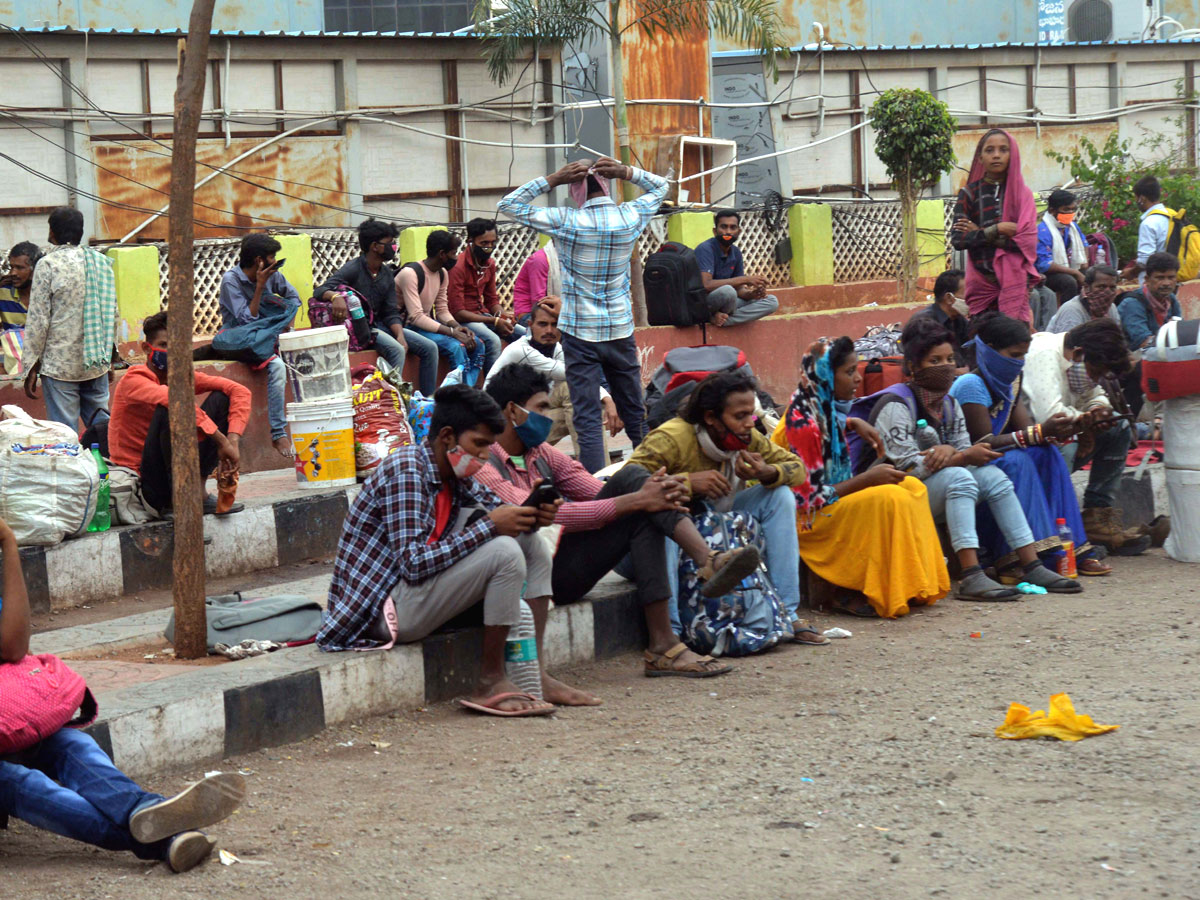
[
  {"x": 799, "y": 629},
  {"x": 488, "y": 706}
]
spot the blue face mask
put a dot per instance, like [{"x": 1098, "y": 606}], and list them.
[
  {"x": 997, "y": 370},
  {"x": 843, "y": 406},
  {"x": 158, "y": 360},
  {"x": 534, "y": 430}
]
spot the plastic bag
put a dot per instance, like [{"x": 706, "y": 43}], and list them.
[
  {"x": 380, "y": 422},
  {"x": 420, "y": 413},
  {"x": 48, "y": 483}
]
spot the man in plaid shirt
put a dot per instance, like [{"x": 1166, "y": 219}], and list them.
[
  {"x": 425, "y": 534},
  {"x": 594, "y": 244},
  {"x": 602, "y": 523}
]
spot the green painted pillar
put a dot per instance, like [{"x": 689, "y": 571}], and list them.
[
  {"x": 298, "y": 270},
  {"x": 690, "y": 228},
  {"x": 931, "y": 238},
  {"x": 810, "y": 226},
  {"x": 139, "y": 295},
  {"x": 412, "y": 243}
]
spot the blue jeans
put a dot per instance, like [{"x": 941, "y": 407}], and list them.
[
  {"x": 420, "y": 346},
  {"x": 66, "y": 400},
  {"x": 68, "y": 786},
  {"x": 589, "y": 364},
  {"x": 955, "y": 491},
  {"x": 471, "y": 363},
  {"x": 775, "y": 511},
  {"x": 276, "y": 397},
  {"x": 1108, "y": 465},
  {"x": 492, "y": 342}
]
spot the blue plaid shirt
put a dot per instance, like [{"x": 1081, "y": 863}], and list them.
[
  {"x": 386, "y": 541},
  {"x": 594, "y": 247}
]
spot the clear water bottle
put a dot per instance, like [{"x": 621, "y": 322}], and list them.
[
  {"x": 927, "y": 436},
  {"x": 102, "y": 520},
  {"x": 521, "y": 656},
  {"x": 358, "y": 317},
  {"x": 1066, "y": 562}
]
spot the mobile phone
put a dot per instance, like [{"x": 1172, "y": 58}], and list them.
[
  {"x": 546, "y": 492},
  {"x": 278, "y": 264}
]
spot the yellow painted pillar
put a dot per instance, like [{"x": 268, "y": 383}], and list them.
[
  {"x": 931, "y": 238},
  {"x": 412, "y": 243},
  {"x": 139, "y": 294},
  {"x": 690, "y": 228},
  {"x": 298, "y": 270},
  {"x": 810, "y": 227}
]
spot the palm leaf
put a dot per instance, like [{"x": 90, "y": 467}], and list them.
[{"x": 546, "y": 22}]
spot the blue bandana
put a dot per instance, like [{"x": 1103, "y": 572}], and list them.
[
  {"x": 999, "y": 373},
  {"x": 839, "y": 458}
]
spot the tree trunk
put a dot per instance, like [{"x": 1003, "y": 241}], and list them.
[
  {"x": 188, "y": 560},
  {"x": 910, "y": 263}
]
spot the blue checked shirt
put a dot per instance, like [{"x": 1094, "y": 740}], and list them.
[
  {"x": 594, "y": 246},
  {"x": 385, "y": 542}
]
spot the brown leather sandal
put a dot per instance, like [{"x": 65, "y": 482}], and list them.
[
  {"x": 725, "y": 571},
  {"x": 659, "y": 665}
]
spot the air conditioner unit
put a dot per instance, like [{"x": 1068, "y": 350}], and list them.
[{"x": 1108, "y": 20}]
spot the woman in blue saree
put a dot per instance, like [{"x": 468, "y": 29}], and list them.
[{"x": 990, "y": 396}]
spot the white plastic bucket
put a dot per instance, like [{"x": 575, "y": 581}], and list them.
[
  {"x": 1181, "y": 440},
  {"x": 323, "y": 438},
  {"x": 318, "y": 362}
]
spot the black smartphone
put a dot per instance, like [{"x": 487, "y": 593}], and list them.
[
  {"x": 278, "y": 264},
  {"x": 546, "y": 492}
]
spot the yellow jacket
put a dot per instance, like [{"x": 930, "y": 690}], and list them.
[{"x": 673, "y": 445}]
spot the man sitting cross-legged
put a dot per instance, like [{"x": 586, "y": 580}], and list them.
[
  {"x": 602, "y": 524},
  {"x": 423, "y": 531}
]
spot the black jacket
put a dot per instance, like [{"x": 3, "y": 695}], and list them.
[{"x": 379, "y": 290}]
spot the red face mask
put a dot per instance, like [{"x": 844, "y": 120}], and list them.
[{"x": 733, "y": 442}]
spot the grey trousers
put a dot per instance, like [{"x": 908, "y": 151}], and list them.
[
  {"x": 493, "y": 573},
  {"x": 725, "y": 299}
]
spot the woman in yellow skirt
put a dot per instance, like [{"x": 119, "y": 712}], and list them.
[{"x": 872, "y": 533}]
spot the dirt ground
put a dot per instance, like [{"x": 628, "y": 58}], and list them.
[{"x": 866, "y": 769}]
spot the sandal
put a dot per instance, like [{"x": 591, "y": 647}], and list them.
[
  {"x": 1092, "y": 566},
  {"x": 664, "y": 664},
  {"x": 800, "y": 627},
  {"x": 722, "y": 572}
]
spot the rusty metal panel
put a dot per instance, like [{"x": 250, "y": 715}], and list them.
[
  {"x": 664, "y": 65},
  {"x": 252, "y": 202}
]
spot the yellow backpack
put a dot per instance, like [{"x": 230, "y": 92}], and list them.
[{"x": 1183, "y": 240}]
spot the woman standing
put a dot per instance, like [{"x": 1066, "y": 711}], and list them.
[
  {"x": 995, "y": 221},
  {"x": 990, "y": 397},
  {"x": 872, "y": 533}
]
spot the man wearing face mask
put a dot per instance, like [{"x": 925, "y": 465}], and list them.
[
  {"x": 949, "y": 310},
  {"x": 1095, "y": 301},
  {"x": 424, "y": 533},
  {"x": 734, "y": 298},
  {"x": 472, "y": 293},
  {"x": 1062, "y": 374},
  {"x": 139, "y": 434},
  {"x": 602, "y": 523},
  {"x": 1062, "y": 248}
]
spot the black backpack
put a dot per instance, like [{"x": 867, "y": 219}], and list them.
[{"x": 675, "y": 293}]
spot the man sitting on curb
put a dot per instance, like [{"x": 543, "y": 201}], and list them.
[
  {"x": 602, "y": 524},
  {"x": 1095, "y": 301},
  {"x": 67, "y": 785},
  {"x": 139, "y": 434},
  {"x": 542, "y": 349},
  {"x": 734, "y": 298},
  {"x": 423, "y": 532}
]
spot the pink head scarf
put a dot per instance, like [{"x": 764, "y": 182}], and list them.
[
  {"x": 1014, "y": 264},
  {"x": 578, "y": 190}
]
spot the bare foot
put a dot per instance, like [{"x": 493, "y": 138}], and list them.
[
  {"x": 284, "y": 446},
  {"x": 512, "y": 704},
  {"x": 562, "y": 695}
]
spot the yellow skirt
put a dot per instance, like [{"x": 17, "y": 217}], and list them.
[{"x": 880, "y": 541}]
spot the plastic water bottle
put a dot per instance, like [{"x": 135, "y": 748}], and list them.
[
  {"x": 358, "y": 318},
  {"x": 521, "y": 656},
  {"x": 1066, "y": 562},
  {"x": 927, "y": 437},
  {"x": 102, "y": 520}
]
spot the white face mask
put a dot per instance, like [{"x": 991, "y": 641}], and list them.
[{"x": 960, "y": 306}]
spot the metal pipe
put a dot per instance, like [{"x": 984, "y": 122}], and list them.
[
  {"x": 820, "y": 29},
  {"x": 224, "y": 105}
]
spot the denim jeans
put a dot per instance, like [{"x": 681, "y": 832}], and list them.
[
  {"x": 725, "y": 299},
  {"x": 471, "y": 363},
  {"x": 775, "y": 511},
  {"x": 68, "y": 786},
  {"x": 276, "y": 397},
  {"x": 955, "y": 491},
  {"x": 420, "y": 346},
  {"x": 1108, "y": 465},
  {"x": 492, "y": 342},
  {"x": 67, "y": 400},
  {"x": 589, "y": 363}
]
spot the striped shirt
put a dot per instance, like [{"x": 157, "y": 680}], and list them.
[
  {"x": 595, "y": 244},
  {"x": 581, "y": 511},
  {"x": 12, "y": 310}
]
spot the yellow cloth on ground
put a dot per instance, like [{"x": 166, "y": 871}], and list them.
[{"x": 1062, "y": 722}]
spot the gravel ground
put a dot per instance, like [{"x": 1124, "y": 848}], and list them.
[{"x": 866, "y": 769}]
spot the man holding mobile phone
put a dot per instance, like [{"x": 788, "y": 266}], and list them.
[{"x": 602, "y": 523}]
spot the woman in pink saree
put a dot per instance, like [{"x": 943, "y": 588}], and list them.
[{"x": 995, "y": 221}]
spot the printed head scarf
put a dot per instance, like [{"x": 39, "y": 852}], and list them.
[{"x": 578, "y": 190}]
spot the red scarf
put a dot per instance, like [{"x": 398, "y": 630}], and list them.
[{"x": 1160, "y": 308}]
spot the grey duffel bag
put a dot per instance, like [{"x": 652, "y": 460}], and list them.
[{"x": 233, "y": 618}]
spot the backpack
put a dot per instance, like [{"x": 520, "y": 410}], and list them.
[
  {"x": 862, "y": 454},
  {"x": 1171, "y": 365},
  {"x": 1100, "y": 250},
  {"x": 420, "y": 270},
  {"x": 675, "y": 293},
  {"x": 254, "y": 342},
  {"x": 38, "y": 696},
  {"x": 232, "y": 618},
  {"x": 685, "y": 367},
  {"x": 320, "y": 315},
  {"x": 1183, "y": 241}
]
